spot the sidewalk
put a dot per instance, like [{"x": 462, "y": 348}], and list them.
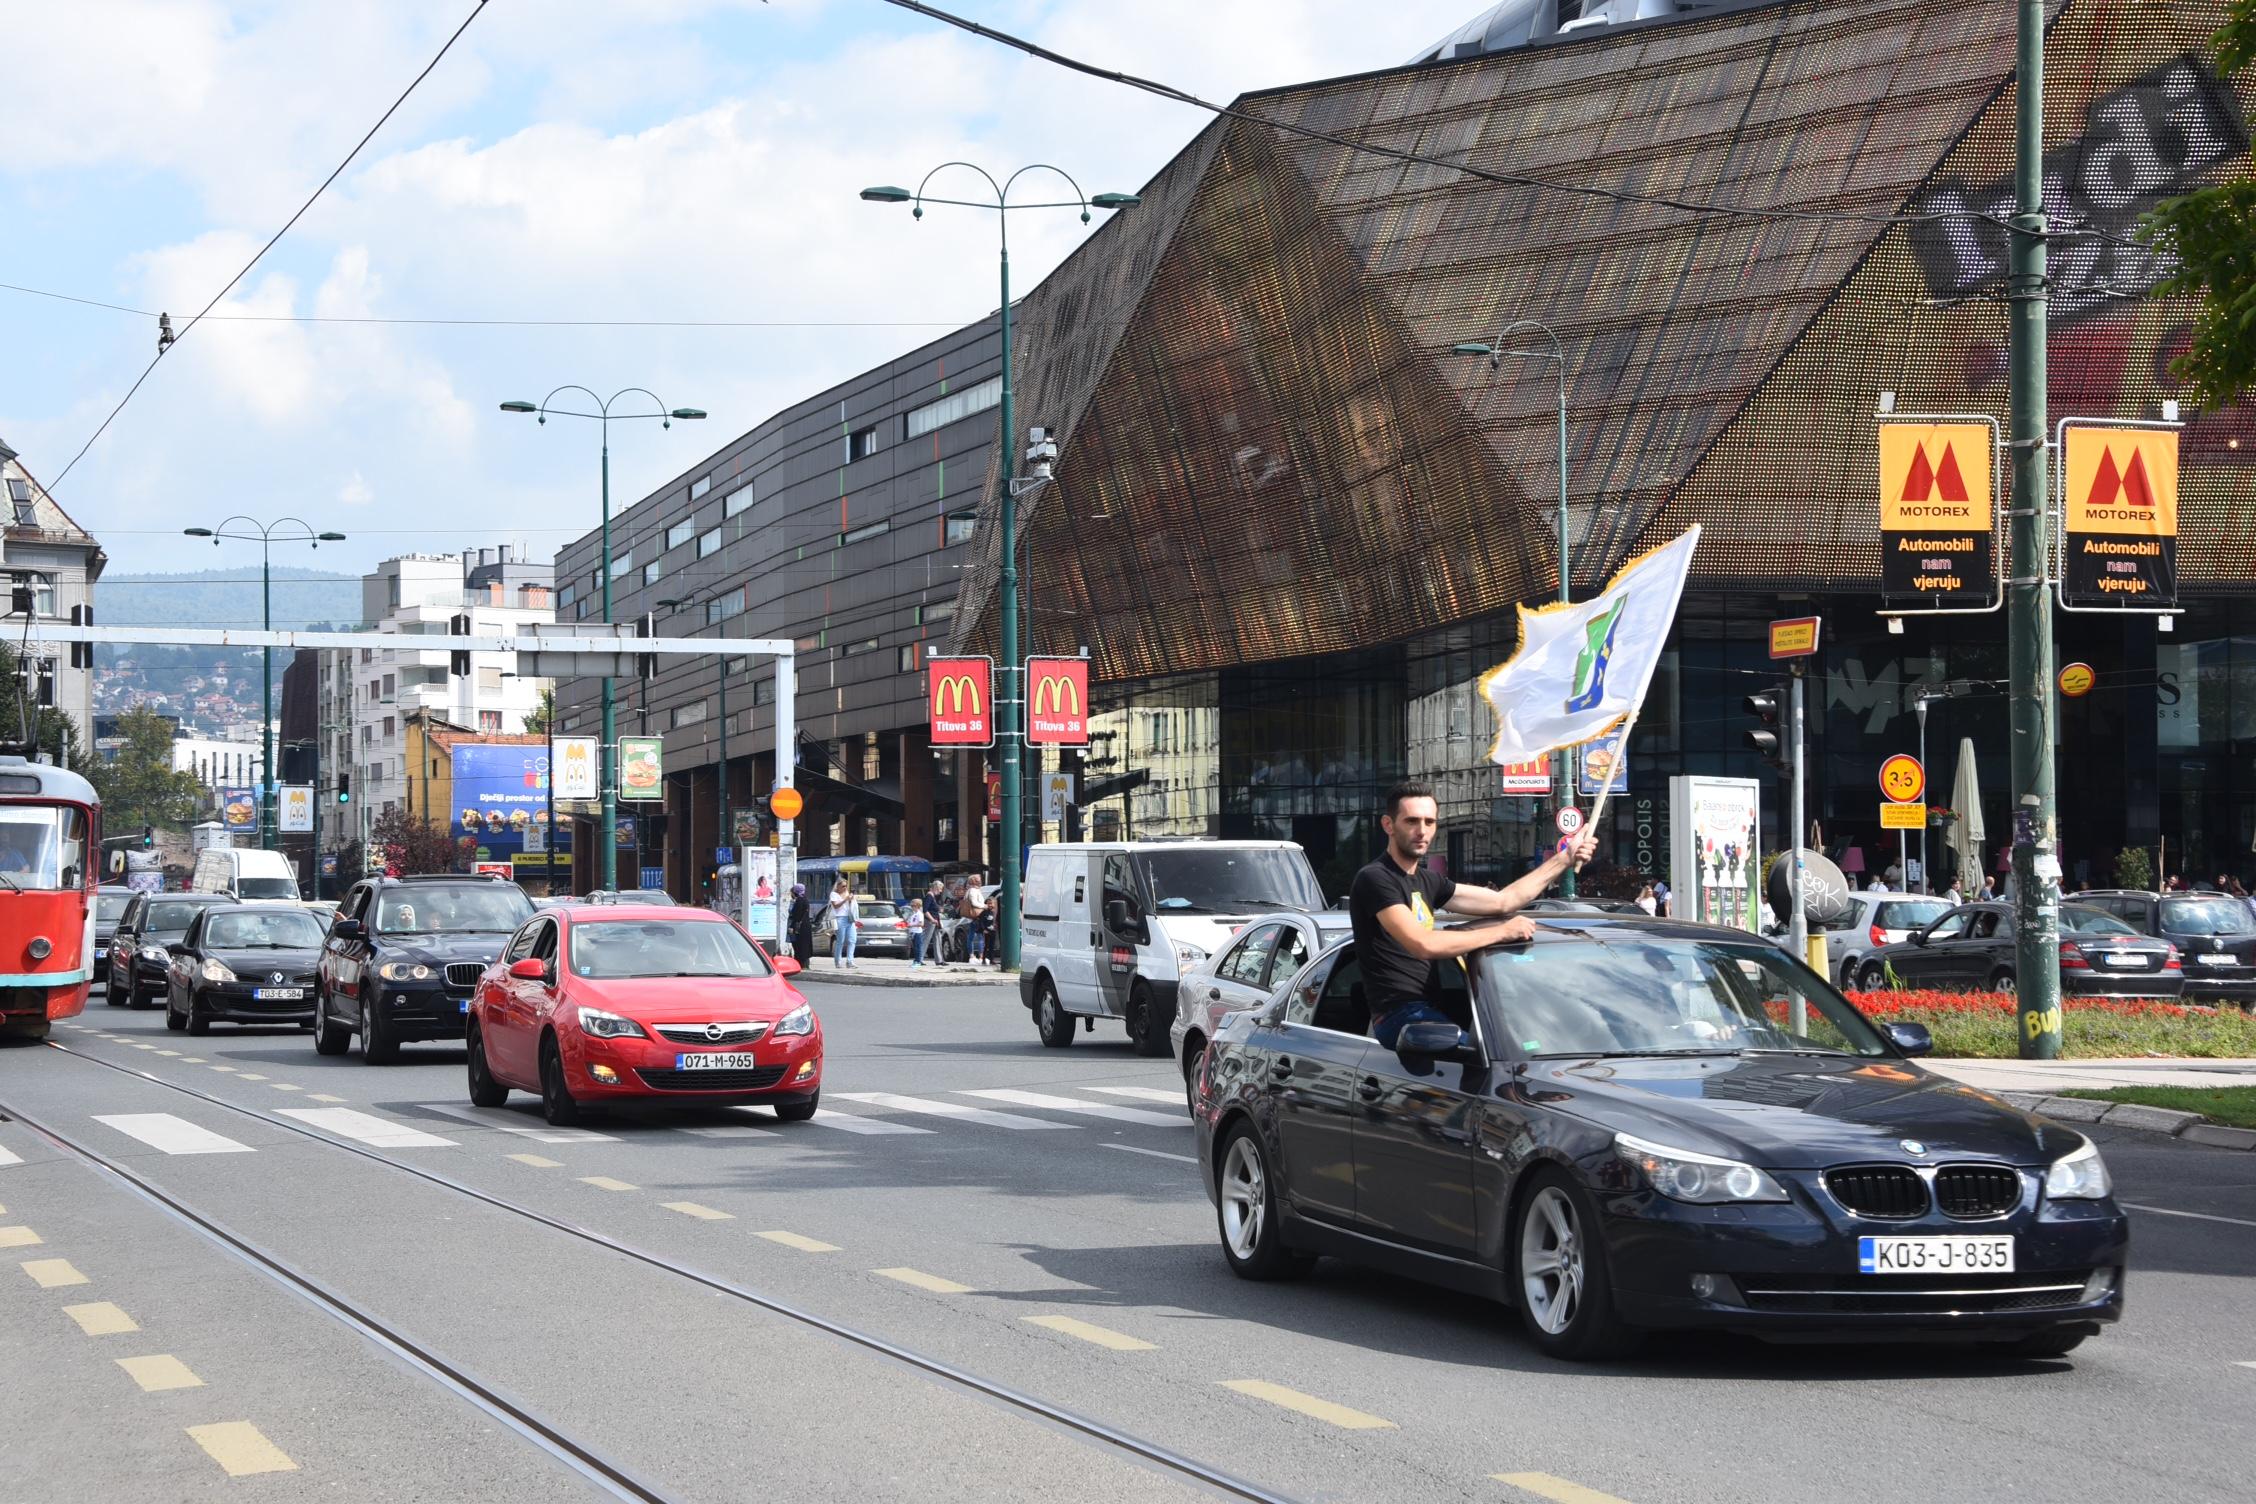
[
  {"x": 894, "y": 971},
  {"x": 2057, "y": 1075}
]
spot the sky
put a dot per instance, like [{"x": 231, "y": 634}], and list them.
[{"x": 689, "y": 160}]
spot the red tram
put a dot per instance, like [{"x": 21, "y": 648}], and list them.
[{"x": 50, "y": 843}]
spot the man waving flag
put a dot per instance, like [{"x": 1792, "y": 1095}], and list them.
[{"x": 1582, "y": 668}]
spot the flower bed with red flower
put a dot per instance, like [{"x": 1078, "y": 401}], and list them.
[{"x": 1985, "y": 1024}]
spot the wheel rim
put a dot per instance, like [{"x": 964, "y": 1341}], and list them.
[
  {"x": 1139, "y": 1014},
  {"x": 1049, "y": 1011},
  {"x": 1553, "y": 1263},
  {"x": 1245, "y": 1198}
]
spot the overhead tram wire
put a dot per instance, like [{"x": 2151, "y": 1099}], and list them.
[
  {"x": 501, "y": 323},
  {"x": 477, "y": 9}
]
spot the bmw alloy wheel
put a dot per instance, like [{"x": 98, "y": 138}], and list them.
[{"x": 1553, "y": 1262}]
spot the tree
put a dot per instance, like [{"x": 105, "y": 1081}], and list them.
[
  {"x": 542, "y": 717},
  {"x": 406, "y": 845},
  {"x": 2210, "y": 237},
  {"x": 55, "y": 733},
  {"x": 139, "y": 785}
]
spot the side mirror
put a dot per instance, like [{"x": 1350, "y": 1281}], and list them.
[
  {"x": 1116, "y": 915},
  {"x": 529, "y": 970},
  {"x": 1919, "y": 937},
  {"x": 787, "y": 967},
  {"x": 349, "y": 929},
  {"x": 1912, "y": 1039},
  {"x": 1433, "y": 1040},
  {"x": 177, "y": 948}
]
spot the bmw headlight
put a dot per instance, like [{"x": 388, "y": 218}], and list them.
[
  {"x": 800, "y": 1020},
  {"x": 404, "y": 971},
  {"x": 1703, "y": 1179},
  {"x": 2078, "y": 1175},
  {"x": 602, "y": 1025},
  {"x": 215, "y": 971}
]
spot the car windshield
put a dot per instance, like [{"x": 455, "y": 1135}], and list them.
[
  {"x": 1228, "y": 879},
  {"x": 266, "y": 887},
  {"x": 1624, "y": 993},
  {"x": 1909, "y": 914},
  {"x": 2081, "y": 919},
  {"x": 613, "y": 949},
  {"x": 40, "y": 846},
  {"x": 283, "y": 929},
  {"x": 110, "y": 907},
  {"x": 877, "y": 908},
  {"x": 169, "y": 921},
  {"x": 2205, "y": 916},
  {"x": 452, "y": 909}
]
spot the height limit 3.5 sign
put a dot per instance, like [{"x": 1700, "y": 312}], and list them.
[
  {"x": 962, "y": 701},
  {"x": 2120, "y": 518},
  {"x": 1938, "y": 533}
]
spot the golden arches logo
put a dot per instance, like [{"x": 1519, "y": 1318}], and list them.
[
  {"x": 1056, "y": 694},
  {"x": 950, "y": 693}
]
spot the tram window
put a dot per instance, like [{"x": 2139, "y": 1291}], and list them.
[{"x": 42, "y": 848}]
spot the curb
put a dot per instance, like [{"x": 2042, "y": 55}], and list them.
[
  {"x": 942, "y": 978},
  {"x": 2190, "y": 1126}
]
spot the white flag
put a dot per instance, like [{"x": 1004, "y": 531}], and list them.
[{"x": 1582, "y": 667}]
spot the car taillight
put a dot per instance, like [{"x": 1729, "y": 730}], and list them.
[
  {"x": 2173, "y": 962},
  {"x": 1879, "y": 936},
  {"x": 2072, "y": 959}
]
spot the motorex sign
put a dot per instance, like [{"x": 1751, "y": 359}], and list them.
[{"x": 499, "y": 793}]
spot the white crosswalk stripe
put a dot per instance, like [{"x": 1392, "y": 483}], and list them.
[
  {"x": 362, "y": 1128},
  {"x": 502, "y": 1120},
  {"x": 846, "y": 1122},
  {"x": 956, "y": 1110},
  {"x": 1143, "y": 1094},
  {"x": 170, "y": 1135},
  {"x": 728, "y": 1130},
  {"x": 1085, "y": 1109},
  {"x": 9, "y": 1156}
]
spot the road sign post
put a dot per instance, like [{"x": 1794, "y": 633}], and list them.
[{"x": 1903, "y": 778}]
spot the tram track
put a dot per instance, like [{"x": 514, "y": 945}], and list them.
[{"x": 579, "y": 1457}]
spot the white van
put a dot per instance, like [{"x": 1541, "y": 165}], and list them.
[
  {"x": 1109, "y": 927},
  {"x": 246, "y": 875}
]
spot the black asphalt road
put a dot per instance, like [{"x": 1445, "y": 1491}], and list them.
[{"x": 1053, "y": 1240}]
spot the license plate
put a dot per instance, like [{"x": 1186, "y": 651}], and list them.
[
  {"x": 1993, "y": 1255},
  {"x": 717, "y": 1060},
  {"x": 280, "y": 994},
  {"x": 2116, "y": 960},
  {"x": 465, "y": 1002},
  {"x": 2215, "y": 960}
]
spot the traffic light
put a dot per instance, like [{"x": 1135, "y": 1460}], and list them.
[
  {"x": 344, "y": 788},
  {"x": 148, "y": 836},
  {"x": 646, "y": 664},
  {"x": 1768, "y": 707},
  {"x": 459, "y": 660}
]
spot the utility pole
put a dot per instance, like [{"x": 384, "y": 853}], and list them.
[
  {"x": 1797, "y": 933},
  {"x": 2036, "y": 864}
]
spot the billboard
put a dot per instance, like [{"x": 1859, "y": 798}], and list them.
[
  {"x": 500, "y": 794},
  {"x": 577, "y": 767},
  {"x": 1057, "y": 702},
  {"x": 1715, "y": 843},
  {"x": 2119, "y": 515},
  {"x": 962, "y": 701},
  {"x": 1600, "y": 762},
  {"x": 1532, "y": 777},
  {"x": 296, "y": 813},
  {"x": 1938, "y": 528},
  {"x": 642, "y": 767},
  {"x": 238, "y": 809}
]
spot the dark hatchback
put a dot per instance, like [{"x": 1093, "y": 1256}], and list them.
[
  {"x": 1629, "y": 1129},
  {"x": 110, "y": 904},
  {"x": 1972, "y": 948},
  {"x": 2214, "y": 932},
  {"x": 140, "y": 961},
  {"x": 249, "y": 963},
  {"x": 403, "y": 957}
]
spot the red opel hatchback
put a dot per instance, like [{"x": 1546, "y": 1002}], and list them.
[{"x": 593, "y": 1005}]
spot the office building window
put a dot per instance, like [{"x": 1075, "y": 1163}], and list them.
[
  {"x": 681, "y": 532},
  {"x": 709, "y": 544},
  {"x": 489, "y": 681},
  {"x": 391, "y": 687},
  {"x": 579, "y": 612},
  {"x": 713, "y": 612},
  {"x": 700, "y": 486},
  {"x": 567, "y": 595},
  {"x": 651, "y": 572},
  {"x": 955, "y": 406},
  {"x": 908, "y": 659},
  {"x": 861, "y": 444},
  {"x": 690, "y": 714},
  {"x": 489, "y": 720},
  {"x": 737, "y": 501},
  {"x": 866, "y": 531},
  {"x": 866, "y": 645},
  {"x": 763, "y": 692},
  {"x": 937, "y": 611},
  {"x": 621, "y": 563},
  {"x": 961, "y": 526}
]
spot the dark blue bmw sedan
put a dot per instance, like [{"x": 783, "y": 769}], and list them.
[{"x": 1637, "y": 1124}]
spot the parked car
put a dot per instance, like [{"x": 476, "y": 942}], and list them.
[
  {"x": 954, "y": 943},
  {"x": 1874, "y": 920},
  {"x": 1621, "y": 1131},
  {"x": 591, "y": 1005},
  {"x": 404, "y": 956},
  {"x": 109, "y": 907},
  {"x": 1260, "y": 958},
  {"x": 883, "y": 927},
  {"x": 140, "y": 966},
  {"x": 2214, "y": 932},
  {"x": 243, "y": 963},
  {"x": 1972, "y": 948}
]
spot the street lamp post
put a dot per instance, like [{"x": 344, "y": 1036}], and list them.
[
  {"x": 264, "y": 538},
  {"x": 1557, "y": 355},
  {"x": 1010, "y": 729},
  {"x": 609, "y": 840}
]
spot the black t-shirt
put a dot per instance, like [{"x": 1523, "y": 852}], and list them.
[{"x": 1391, "y": 975}]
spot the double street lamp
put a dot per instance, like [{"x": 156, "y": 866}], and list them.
[
  {"x": 1494, "y": 352},
  {"x": 543, "y": 411},
  {"x": 1010, "y": 723},
  {"x": 267, "y": 534}
]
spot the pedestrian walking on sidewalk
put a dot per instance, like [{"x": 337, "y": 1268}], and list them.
[
  {"x": 917, "y": 932},
  {"x": 842, "y": 925},
  {"x": 802, "y": 927}
]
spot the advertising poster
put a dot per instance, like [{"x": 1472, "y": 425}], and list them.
[
  {"x": 642, "y": 767},
  {"x": 578, "y": 768},
  {"x": 763, "y": 904},
  {"x": 2121, "y": 516},
  {"x": 1600, "y": 761},
  {"x": 1938, "y": 536},
  {"x": 500, "y": 796},
  {"x": 238, "y": 809},
  {"x": 1531, "y": 777},
  {"x": 296, "y": 812},
  {"x": 1715, "y": 825},
  {"x": 962, "y": 701}
]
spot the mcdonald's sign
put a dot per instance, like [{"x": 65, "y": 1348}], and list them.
[
  {"x": 962, "y": 701},
  {"x": 1938, "y": 533},
  {"x": 1057, "y": 702},
  {"x": 2120, "y": 520}
]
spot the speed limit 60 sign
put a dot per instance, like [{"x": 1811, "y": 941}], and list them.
[
  {"x": 1902, "y": 779},
  {"x": 1570, "y": 819}
]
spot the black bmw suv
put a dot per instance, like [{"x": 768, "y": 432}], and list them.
[{"x": 403, "y": 956}]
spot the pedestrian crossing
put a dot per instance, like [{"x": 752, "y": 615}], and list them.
[{"x": 855, "y": 1114}]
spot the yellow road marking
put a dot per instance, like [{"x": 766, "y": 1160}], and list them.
[
  {"x": 251, "y": 1076},
  {"x": 48, "y": 1273},
  {"x": 1309, "y": 1405},
  {"x": 605, "y": 1183},
  {"x": 1102, "y": 1336},
  {"x": 17, "y": 1237},
  {"x": 924, "y": 1281},
  {"x": 803, "y": 1244},
  {"x": 286, "y": 1086},
  {"x": 321, "y": 1097},
  {"x": 1544, "y": 1486},
  {"x": 101, "y": 1319},
  {"x": 537, "y": 1162},
  {"x": 241, "y": 1448},
  {"x": 160, "y": 1371},
  {"x": 701, "y": 1213}
]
